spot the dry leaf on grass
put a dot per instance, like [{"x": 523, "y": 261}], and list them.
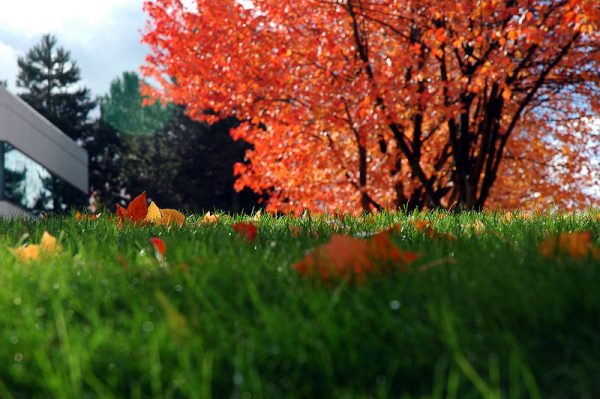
[
  {"x": 245, "y": 230},
  {"x": 139, "y": 212},
  {"x": 577, "y": 245},
  {"x": 48, "y": 246},
  {"x": 348, "y": 257}
]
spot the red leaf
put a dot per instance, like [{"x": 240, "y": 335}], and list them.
[
  {"x": 159, "y": 245},
  {"x": 138, "y": 208},
  {"x": 121, "y": 212},
  {"x": 245, "y": 230}
]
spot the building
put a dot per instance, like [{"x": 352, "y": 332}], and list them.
[{"x": 41, "y": 168}]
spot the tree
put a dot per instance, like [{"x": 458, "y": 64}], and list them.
[
  {"x": 107, "y": 149},
  {"x": 50, "y": 80},
  {"x": 122, "y": 108},
  {"x": 356, "y": 104},
  {"x": 181, "y": 163},
  {"x": 188, "y": 165}
]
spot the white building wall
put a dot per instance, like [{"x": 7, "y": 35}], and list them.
[{"x": 25, "y": 129}]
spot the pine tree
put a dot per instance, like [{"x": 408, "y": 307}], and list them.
[
  {"x": 122, "y": 108},
  {"x": 51, "y": 82}
]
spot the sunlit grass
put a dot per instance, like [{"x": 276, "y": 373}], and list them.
[{"x": 220, "y": 317}]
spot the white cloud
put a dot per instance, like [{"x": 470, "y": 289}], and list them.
[
  {"x": 102, "y": 35},
  {"x": 35, "y": 17}
]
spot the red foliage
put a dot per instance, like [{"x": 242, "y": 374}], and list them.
[{"x": 355, "y": 105}]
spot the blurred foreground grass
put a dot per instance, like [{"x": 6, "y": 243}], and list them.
[{"x": 225, "y": 318}]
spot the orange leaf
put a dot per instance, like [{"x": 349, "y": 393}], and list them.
[
  {"x": 27, "y": 253},
  {"x": 577, "y": 246},
  {"x": 48, "y": 246},
  {"x": 80, "y": 216},
  {"x": 425, "y": 227},
  {"x": 348, "y": 257},
  {"x": 171, "y": 216},
  {"x": 245, "y": 230}
]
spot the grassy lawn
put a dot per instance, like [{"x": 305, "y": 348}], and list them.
[{"x": 225, "y": 318}]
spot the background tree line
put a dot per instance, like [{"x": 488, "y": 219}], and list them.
[{"x": 180, "y": 163}]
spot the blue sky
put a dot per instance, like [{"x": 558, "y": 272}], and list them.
[{"x": 102, "y": 35}]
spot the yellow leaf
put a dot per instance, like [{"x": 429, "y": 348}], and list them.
[
  {"x": 257, "y": 216},
  {"x": 153, "y": 214}
]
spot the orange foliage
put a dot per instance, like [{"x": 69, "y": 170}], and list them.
[{"x": 355, "y": 105}]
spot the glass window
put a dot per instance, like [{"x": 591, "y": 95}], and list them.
[{"x": 31, "y": 186}]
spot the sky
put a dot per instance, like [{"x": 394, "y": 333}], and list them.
[{"x": 103, "y": 36}]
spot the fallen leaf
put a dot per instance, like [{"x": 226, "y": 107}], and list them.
[
  {"x": 245, "y": 230},
  {"x": 209, "y": 218},
  {"x": 136, "y": 210},
  {"x": 257, "y": 216},
  {"x": 159, "y": 246},
  {"x": 425, "y": 227},
  {"x": 80, "y": 216},
  {"x": 153, "y": 215},
  {"x": 170, "y": 217},
  {"x": 507, "y": 217},
  {"x": 48, "y": 246},
  {"x": 27, "y": 253},
  {"x": 348, "y": 257},
  {"x": 578, "y": 246}
]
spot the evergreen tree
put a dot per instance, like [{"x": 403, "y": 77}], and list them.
[
  {"x": 50, "y": 80},
  {"x": 122, "y": 108},
  {"x": 107, "y": 150},
  {"x": 188, "y": 165},
  {"x": 51, "y": 83}
]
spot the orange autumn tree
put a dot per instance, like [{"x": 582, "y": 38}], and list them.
[{"x": 370, "y": 104}]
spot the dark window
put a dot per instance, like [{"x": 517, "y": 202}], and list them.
[{"x": 31, "y": 186}]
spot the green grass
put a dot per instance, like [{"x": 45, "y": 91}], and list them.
[{"x": 229, "y": 319}]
